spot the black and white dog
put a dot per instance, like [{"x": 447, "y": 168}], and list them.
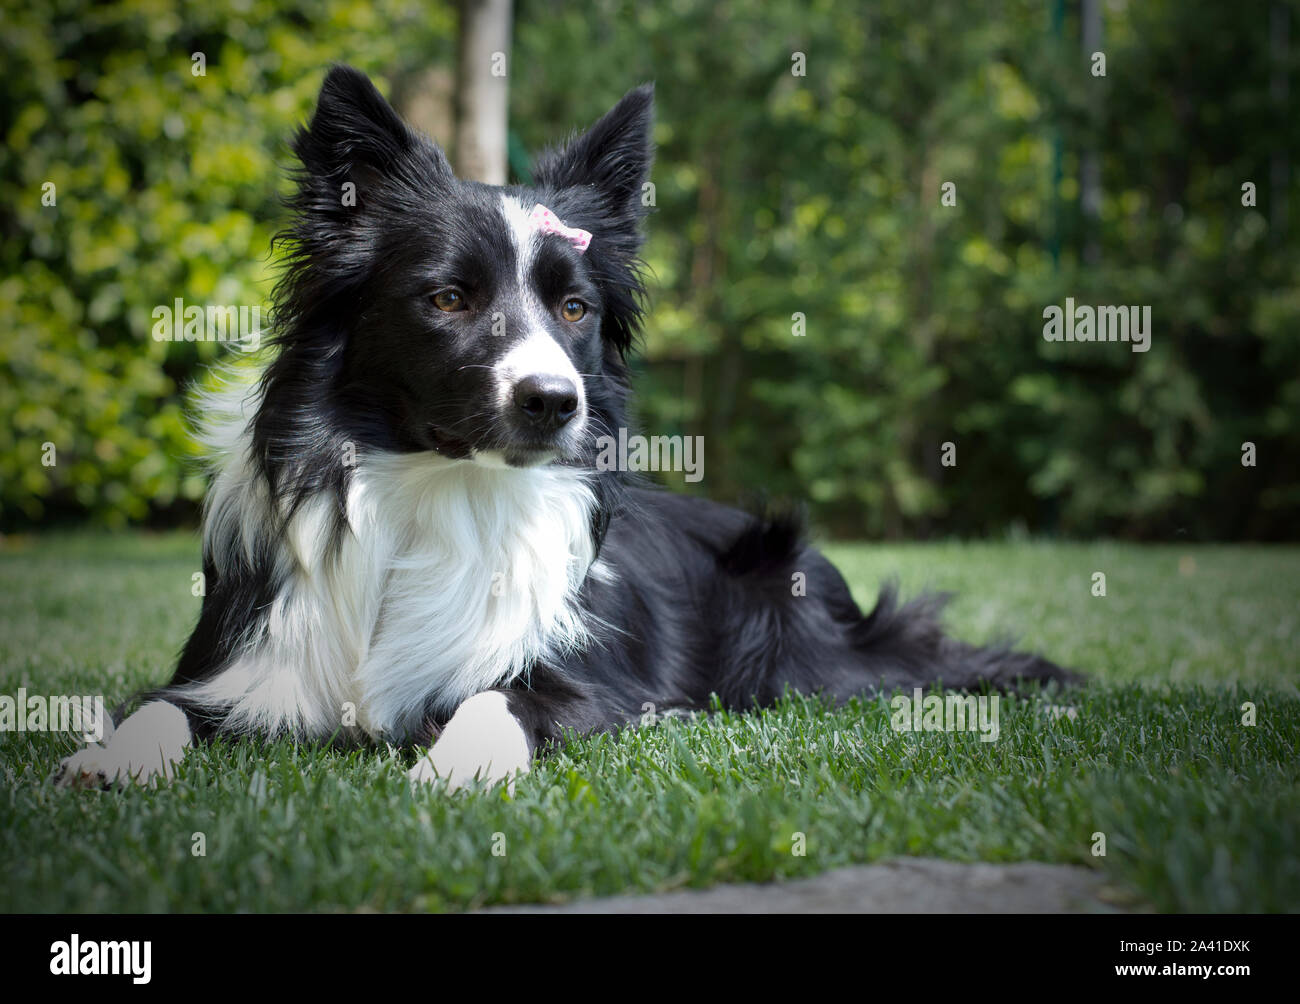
[{"x": 407, "y": 538}]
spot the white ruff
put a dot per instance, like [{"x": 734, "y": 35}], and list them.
[{"x": 452, "y": 579}]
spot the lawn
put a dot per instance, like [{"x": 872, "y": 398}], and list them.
[{"x": 1200, "y": 812}]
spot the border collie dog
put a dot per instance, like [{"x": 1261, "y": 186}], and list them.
[{"x": 407, "y": 538}]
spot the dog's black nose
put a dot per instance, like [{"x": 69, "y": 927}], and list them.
[{"x": 547, "y": 401}]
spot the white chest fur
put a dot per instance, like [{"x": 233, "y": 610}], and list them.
[{"x": 452, "y": 578}]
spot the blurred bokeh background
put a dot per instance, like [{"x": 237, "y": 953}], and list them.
[{"x": 776, "y": 194}]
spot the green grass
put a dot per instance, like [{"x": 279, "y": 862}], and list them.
[{"x": 1199, "y": 811}]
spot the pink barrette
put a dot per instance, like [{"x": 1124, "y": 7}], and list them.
[{"x": 546, "y": 222}]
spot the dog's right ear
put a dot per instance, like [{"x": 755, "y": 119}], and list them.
[
  {"x": 360, "y": 164},
  {"x": 356, "y": 136}
]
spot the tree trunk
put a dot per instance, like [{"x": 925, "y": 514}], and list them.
[
  {"x": 482, "y": 90},
  {"x": 1090, "y": 160},
  {"x": 1279, "y": 168}
]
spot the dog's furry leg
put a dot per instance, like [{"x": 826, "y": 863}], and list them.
[{"x": 146, "y": 746}]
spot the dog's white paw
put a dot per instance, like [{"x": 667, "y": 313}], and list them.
[
  {"x": 483, "y": 741},
  {"x": 147, "y": 746},
  {"x": 82, "y": 769},
  {"x": 97, "y": 767}
]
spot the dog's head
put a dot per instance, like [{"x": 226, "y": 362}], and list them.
[{"x": 428, "y": 313}]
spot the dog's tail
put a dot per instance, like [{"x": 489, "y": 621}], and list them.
[
  {"x": 905, "y": 645},
  {"x": 815, "y": 637}
]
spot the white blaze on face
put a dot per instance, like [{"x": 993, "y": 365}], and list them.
[
  {"x": 536, "y": 353},
  {"x": 523, "y": 235}
]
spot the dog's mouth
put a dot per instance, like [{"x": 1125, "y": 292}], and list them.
[
  {"x": 443, "y": 442},
  {"x": 509, "y": 451}
]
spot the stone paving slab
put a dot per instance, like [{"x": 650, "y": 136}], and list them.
[{"x": 904, "y": 885}]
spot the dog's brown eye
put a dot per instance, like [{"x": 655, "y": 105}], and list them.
[
  {"x": 573, "y": 310},
  {"x": 449, "y": 300}
]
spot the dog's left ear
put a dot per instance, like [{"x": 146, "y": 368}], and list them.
[{"x": 611, "y": 159}]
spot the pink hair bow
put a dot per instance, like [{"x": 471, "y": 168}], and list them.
[{"x": 546, "y": 222}]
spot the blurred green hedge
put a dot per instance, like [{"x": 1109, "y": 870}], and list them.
[
  {"x": 777, "y": 194},
  {"x": 166, "y": 185}
]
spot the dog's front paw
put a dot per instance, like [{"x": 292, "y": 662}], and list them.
[
  {"x": 147, "y": 746},
  {"x": 97, "y": 767},
  {"x": 483, "y": 741},
  {"x": 81, "y": 770}
]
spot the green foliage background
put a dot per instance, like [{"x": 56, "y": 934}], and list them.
[{"x": 776, "y": 194}]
